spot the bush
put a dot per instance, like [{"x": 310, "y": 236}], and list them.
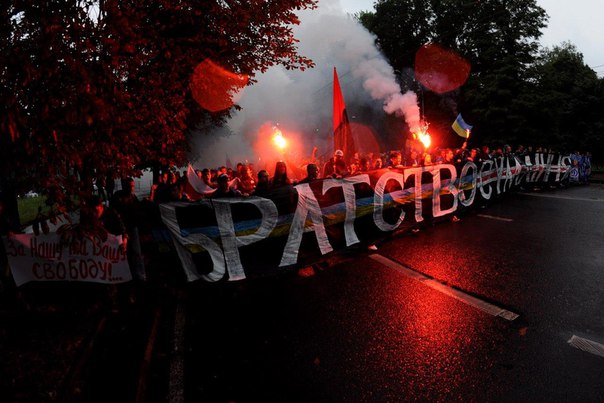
[{"x": 28, "y": 208}]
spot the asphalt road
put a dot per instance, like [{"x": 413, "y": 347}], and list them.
[{"x": 411, "y": 327}]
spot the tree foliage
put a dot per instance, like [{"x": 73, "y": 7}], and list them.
[
  {"x": 100, "y": 87},
  {"x": 514, "y": 93},
  {"x": 401, "y": 28},
  {"x": 568, "y": 98}
]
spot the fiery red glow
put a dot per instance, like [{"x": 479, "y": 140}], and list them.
[
  {"x": 278, "y": 139},
  {"x": 215, "y": 88},
  {"x": 421, "y": 134},
  {"x": 439, "y": 69},
  {"x": 292, "y": 150},
  {"x": 425, "y": 139}
]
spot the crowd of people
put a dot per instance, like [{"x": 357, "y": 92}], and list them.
[
  {"x": 243, "y": 180},
  {"x": 580, "y": 169},
  {"x": 122, "y": 212}
]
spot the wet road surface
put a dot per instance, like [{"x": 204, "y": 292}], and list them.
[{"x": 361, "y": 330}]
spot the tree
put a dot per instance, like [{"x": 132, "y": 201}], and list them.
[
  {"x": 401, "y": 27},
  {"x": 98, "y": 87},
  {"x": 499, "y": 39},
  {"x": 568, "y": 100},
  {"x": 502, "y": 48}
]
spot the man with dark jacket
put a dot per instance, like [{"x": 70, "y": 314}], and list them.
[{"x": 127, "y": 205}]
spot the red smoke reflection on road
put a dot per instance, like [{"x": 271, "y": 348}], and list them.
[
  {"x": 214, "y": 88},
  {"x": 439, "y": 69}
]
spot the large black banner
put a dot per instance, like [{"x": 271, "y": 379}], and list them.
[{"x": 236, "y": 238}]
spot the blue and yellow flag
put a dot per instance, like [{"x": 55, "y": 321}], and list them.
[{"x": 461, "y": 128}]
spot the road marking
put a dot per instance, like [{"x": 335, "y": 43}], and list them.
[
  {"x": 141, "y": 391},
  {"x": 176, "y": 393},
  {"x": 597, "y": 200},
  {"x": 76, "y": 373},
  {"x": 492, "y": 217},
  {"x": 459, "y": 295},
  {"x": 587, "y": 345}
]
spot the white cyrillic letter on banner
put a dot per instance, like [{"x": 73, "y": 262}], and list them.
[
  {"x": 307, "y": 205},
  {"x": 230, "y": 241},
  {"x": 467, "y": 201},
  {"x": 347, "y": 185},
  {"x": 378, "y": 201},
  {"x": 168, "y": 215},
  {"x": 436, "y": 186},
  {"x": 486, "y": 177}
]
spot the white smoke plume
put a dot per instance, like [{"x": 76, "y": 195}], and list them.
[{"x": 300, "y": 102}]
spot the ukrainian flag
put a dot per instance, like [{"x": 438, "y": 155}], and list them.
[{"x": 461, "y": 127}]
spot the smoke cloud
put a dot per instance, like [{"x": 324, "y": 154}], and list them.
[{"x": 300, "y": 102}]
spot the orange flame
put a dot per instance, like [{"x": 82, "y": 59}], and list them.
[
  {"x": 422, "y": 135},
  {"x": 425, "y": 139},
  {"x": 279, "y": 140}
]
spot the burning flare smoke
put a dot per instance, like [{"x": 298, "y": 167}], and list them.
[{"x": 330, "y": 38}]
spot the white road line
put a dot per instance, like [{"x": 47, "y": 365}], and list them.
[
  {"x": 492, "y": 217},
  {"x": 143, "y": 377},
  {"x": 587, "y": 345},
  {"x": 452, "y": 292},
  {"x": 176, "y": 393},
  {"x": 547, "y": 196}
]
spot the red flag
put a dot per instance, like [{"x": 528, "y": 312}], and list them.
[{"x": 342, "y": 135}]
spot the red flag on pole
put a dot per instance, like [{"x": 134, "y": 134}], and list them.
[{"x": 342, "y": 135}]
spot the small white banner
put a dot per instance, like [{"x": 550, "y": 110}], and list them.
[{"x": 43, "y": 258}]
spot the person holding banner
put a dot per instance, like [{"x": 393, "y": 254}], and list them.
[
  {"x": 396, "y": 160},
  {"x": 485, "y": 153},
  {"x": 312, "y": 174},
  {"x": 224, "y": 189},
  {"x": 127, "y": 205},
  {"x": 206, "y": 177},
  {"x": 246, "y": 184},
  {"x": 280, "y": 178},
  {"x": 7, "y": 229},
  {"x": 98, "y": 219},
  {"x": 330, "y": 168},
  {"x": 262, "y": 184}
]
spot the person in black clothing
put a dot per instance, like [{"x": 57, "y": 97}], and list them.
[
  {"x": 96, "y": 218},
  {"x": 109, "y": 185},
  {"x": 330, "y": 167},
  {"x": 396, "y": 160},
  {"x": 206, "y": 177},
  {"x": 263, "y": 184},
  {"x": 312, "y": 173},
  {"x": 160, "y": 193},
  {"x": 7, "y": 228},
  {"x": 223, "y": 189},
  {"x": 364, "y": 165},
  {"x": 177, "y": 194},
  {"x": 127, "y": 205},
  {"x": 412, "y": 159},
  {"x": 280, "y": 177}
]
